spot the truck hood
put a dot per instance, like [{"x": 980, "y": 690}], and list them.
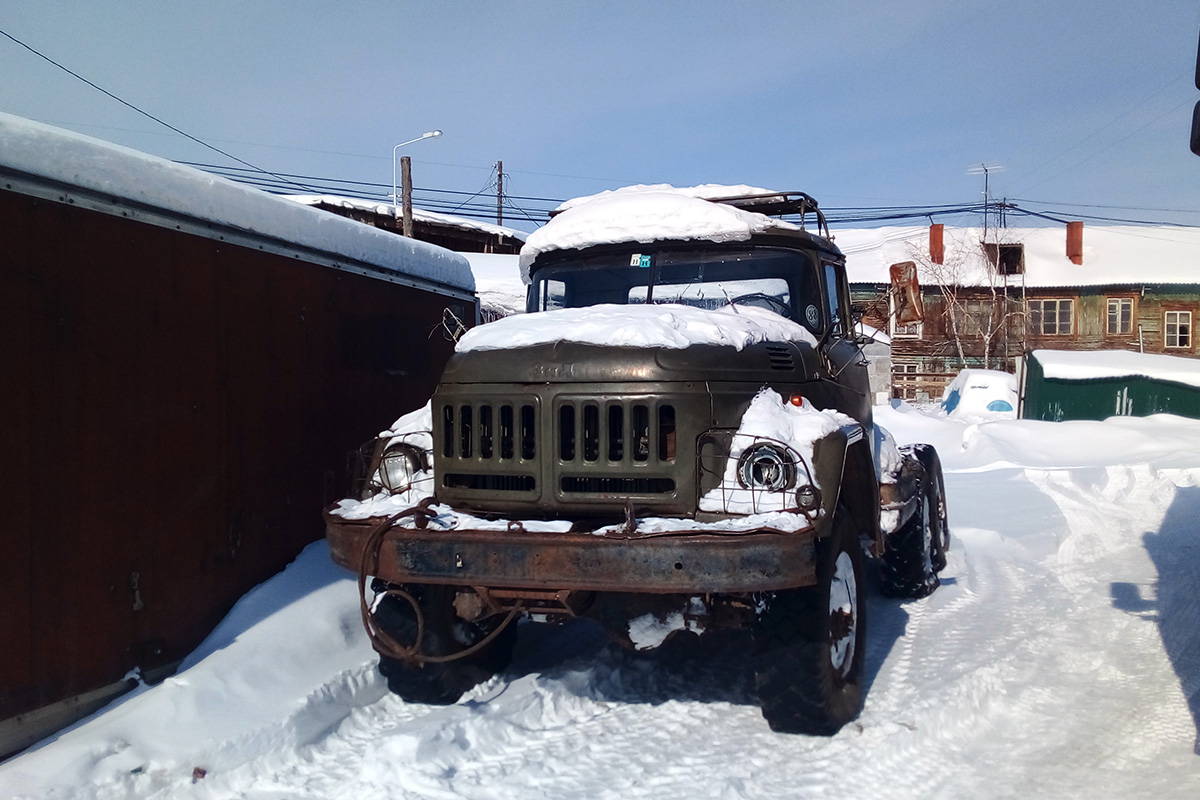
[{"x": 575, "y": 362}]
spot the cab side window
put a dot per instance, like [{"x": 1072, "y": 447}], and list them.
[{"x": 834, "y": 306}]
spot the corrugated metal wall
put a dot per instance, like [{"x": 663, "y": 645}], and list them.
[{"x": 174, "y": 412}]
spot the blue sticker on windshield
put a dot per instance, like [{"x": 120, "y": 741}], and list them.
[{"x": 637, "y": 260}]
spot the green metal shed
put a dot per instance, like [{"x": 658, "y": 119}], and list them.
[{"x": 1061, "y": 385}]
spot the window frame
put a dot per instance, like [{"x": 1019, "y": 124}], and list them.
[
  {"x": 1108, "y": 330},
  {"x": 1187, "y": 331},
  {"x": 1057, "y": 301}
]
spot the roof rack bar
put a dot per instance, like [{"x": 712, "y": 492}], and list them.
[{"x": 776, "y": 204}]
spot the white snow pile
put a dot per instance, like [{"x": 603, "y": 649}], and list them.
[
  {"x": 770, "y": 419},
  {"x": 1060, "y": 658},
  {"x": 645, "y": 214},
  {"x": 981, "y": 394},
  {"x": 668, "y": 325},
  {"x": 129, "y": 175},
  {"x": 1067, "y": 365},
  {"x": 706, "y": 191}
]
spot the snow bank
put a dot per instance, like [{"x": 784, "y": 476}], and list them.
[
  {"x": 287, "y": 664},
  {"x": 670, "y": 326},
  {"x": 1065, "y": 365},
  {"x": 128, "y": 175},
  {"x": 965, "y": 446},
  {"x": 644, "y": 214}
]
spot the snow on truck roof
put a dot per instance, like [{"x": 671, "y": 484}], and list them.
[
  {"x": 120, "y": 174},
  {"x": 647, "y": 214}
]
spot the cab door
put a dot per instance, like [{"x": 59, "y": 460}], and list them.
[{"x": 848, "y": 365}]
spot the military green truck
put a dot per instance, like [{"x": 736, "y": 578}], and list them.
[{"x": 677, "y": 436}]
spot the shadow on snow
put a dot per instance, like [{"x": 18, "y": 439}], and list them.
[{"x": 1175, "y": 550}]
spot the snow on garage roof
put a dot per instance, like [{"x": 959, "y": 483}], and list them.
[
  {"x": 1070, "y": 365},
  {"x": 648, "y": 214},
  {"x": 46, "y": 153},
  {"x": 391, "y": 210},
  {"x": 1112, "y": 254}
]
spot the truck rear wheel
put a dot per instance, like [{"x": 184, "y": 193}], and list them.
[
  {"x": 809, "y": 643},
  {"x": 443, "y": 682}
]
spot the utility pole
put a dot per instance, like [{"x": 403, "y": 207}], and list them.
[
  {"x": 406, "y": 195},
  {"x": 499, "y": 192}
]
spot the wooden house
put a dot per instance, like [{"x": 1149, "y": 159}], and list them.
[{"x": 999, "y": 294}]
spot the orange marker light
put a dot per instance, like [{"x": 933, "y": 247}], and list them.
[{"x": 796, "y": 400}]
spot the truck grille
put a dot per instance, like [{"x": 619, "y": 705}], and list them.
[
  {"x": 498, "y": 451},
  {"x": 488, "y": 432},
  {"x": 615, "y": 432}
]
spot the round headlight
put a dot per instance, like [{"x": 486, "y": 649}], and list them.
[
  {"x": 766, "y": 467},
  {"x": 399, "y": 467}
]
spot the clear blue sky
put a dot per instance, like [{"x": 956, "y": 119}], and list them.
[{"x": 858, "y": 103}]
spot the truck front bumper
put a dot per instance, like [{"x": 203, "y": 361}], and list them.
[{"x": 661, "y": 563}]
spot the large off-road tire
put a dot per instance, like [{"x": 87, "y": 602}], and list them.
[
  {"x": 809, "y": 642},
  {"x": 439, "y": 683},
  {"x": 916, "y": 552},
  {"x": 928, "y": 457}
]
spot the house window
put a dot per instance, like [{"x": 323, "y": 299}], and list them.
[
  {"x": 974, "y": 318},
  {"x": 1006, "y": 259},
  {"x": 1178, "y": 328},
  {"x": 1051, "y": 317},
  {"x": 1120, "y": 315},
  {"x": 904, "y": 381}
]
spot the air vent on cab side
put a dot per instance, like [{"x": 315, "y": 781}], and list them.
[{"x": 781, "y": 357}]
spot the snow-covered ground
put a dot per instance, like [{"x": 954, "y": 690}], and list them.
[{"x": 1059, "y": 659}]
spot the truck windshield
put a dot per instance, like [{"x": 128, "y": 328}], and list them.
[{"x": 783, "y": 281}]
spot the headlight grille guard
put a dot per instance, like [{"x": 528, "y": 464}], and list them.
[{"x": 721, "y": 469}]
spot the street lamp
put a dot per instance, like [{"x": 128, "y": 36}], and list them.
[{"x": 396, "y": 149}]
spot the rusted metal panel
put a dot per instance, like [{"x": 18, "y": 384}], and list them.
[
  {"x": 688, "y": 563},
  {"x": 176, "y": 407}
]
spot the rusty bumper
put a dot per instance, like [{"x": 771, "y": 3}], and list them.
[{"x": 691, "y": 563}]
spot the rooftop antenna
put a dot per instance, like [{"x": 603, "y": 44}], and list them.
[{"x": 985, "y": 169}]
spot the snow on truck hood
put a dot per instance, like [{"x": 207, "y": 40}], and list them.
[
  {"x": 670, "y": 326},
  {"x": 648, "y": 214}
]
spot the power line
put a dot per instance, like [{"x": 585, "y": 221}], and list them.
[{"x": 146, "y": 114}]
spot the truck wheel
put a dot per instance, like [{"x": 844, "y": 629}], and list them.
[
  {"x": 937, "y": 494},
  {"x": 439, "y": 683},
  {"x": 910, "y": 561},
  {"x": 809, "y": 643}
]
